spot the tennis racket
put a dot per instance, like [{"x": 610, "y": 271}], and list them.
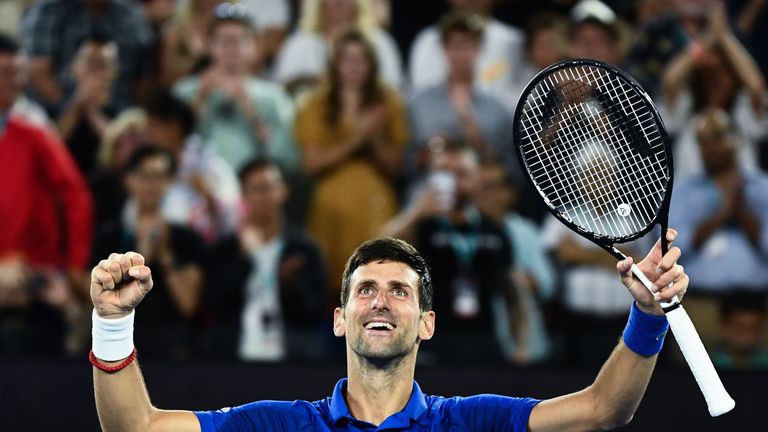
[{"x": 594, "y": 146}]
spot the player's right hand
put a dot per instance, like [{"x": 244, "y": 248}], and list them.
[{"x": 119, "y": 283}]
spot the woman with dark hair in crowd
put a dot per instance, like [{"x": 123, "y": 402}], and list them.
[
  {"x": 299, "y": 64},
  {"x": 352, "y": 131}
]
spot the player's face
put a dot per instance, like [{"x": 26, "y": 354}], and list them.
[{"x": 382, "y": 320}]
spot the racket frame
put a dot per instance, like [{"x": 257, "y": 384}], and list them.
[
  {"x": 717, "y": 398},
  {"x": 662, "y": 215}
]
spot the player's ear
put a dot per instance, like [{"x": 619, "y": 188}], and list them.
[
  {"x": 427, "y": 325},
  {"x": 339, "y": 330}
]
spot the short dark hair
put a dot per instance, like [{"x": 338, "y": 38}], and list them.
[
  {"x": 461, "y": 22},
  {"x": 389, "y": 250},
  {"x": 8, "y": 45},
  {"x": 257, "y": 164},
  {"x": 742, "y": 300},
  {"x": 147, "y": 151},
  {"x": 164, "y": 106}
]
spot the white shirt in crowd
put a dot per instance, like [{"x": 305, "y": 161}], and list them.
[
  {"x": 262, "y": 336},
  {"x": 687, "y": 158},
  {"x": 498, "y": 67},
  {"x": 588, "y": 289},
  {"x": 268, "y": 13},
  {"x": 305, "y": 54}
]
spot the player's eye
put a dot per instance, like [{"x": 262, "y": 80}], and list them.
[
  {"x": 366, "y": 290},
  {"x": 399, "y": 292}
]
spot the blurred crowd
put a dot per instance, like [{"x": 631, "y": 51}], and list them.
[{"x": 246, "y": 148}]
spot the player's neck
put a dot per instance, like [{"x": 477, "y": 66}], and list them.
[{"x": 374, "y": 394}]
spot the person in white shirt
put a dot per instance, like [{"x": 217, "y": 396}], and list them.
[
  {"x": 593, "y": 304},
  {"x": 499, "y": 63}
]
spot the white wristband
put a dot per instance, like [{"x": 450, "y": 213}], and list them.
[{"x": 112, "y": 338}]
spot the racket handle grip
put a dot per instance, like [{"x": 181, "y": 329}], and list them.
[{"x": 718, "y": 400}]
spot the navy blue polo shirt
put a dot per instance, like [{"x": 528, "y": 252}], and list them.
[{"x": 422, "y": 413}]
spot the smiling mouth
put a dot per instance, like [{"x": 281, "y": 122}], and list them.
[{"x": 380, "y": 326}]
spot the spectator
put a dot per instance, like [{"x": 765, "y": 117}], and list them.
[
  {"x": 204, "y": 196},
  {"x": 470, "y": 256},
  {"x": 742, "y": 332},
  {"x": 122, "y": 137},
  {"x": 664, "y": 30},
  {"x": 302, "y": 58},
  {"x": 352, "y": 131},
  {"x": 751, "y": 17},
  {"x": 52, "y": 32},
  {"x": 158, "y": 13},
  {"x": 185, "y": 39},
  {"x": 241, "y": 115},
  {"x": 85, "y": 115},
  {"x": 524, "y": 335},
  {"x": 499, "y": 54},
  {"x": 722, "y": 213},
  {"x": 174, "y": 251},
  {"x": 457, "y": 110},
  {"x": 596, "y": 33},
  {"x": 717, "y": 72},
  {"x": 268, "y": 284},
  {"x": 45, "y": 209},
  {"x": 545, "y": 44},
  {"x": 272, "y": 20}
]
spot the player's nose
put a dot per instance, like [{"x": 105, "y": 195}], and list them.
[{"x": 380, "y": 301}]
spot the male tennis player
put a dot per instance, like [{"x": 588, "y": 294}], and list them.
[{"x": 385, "y": 313}]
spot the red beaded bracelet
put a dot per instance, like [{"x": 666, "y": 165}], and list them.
[{"x": 111, "y": 369}]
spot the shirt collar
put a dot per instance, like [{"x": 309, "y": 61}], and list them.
[{"x": 414, "y": 409}]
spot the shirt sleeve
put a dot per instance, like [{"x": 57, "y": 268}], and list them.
[
  {"x": 257, "y": 416},
  {"x": 488, "y": 412}
]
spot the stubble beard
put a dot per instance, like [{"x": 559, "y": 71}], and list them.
[{"x": 384, "y": 356}]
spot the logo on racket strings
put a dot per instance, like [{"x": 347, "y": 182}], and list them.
[{"x": 624, "y": 210}]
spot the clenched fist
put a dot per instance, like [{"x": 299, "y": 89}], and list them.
[{"x": 119, "y": 283}]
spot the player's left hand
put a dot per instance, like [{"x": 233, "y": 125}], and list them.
[{"x": 667, "y": 275}]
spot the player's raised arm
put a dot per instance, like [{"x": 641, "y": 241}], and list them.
[
  {"x": 612, "y": 399},
  {"x": 118, "y": 284}
]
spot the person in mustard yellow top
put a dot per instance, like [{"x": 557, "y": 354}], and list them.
[{"x": 352, "y": 131}]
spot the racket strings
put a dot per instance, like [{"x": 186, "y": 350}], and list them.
[{"x": 594, "y": 150}]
